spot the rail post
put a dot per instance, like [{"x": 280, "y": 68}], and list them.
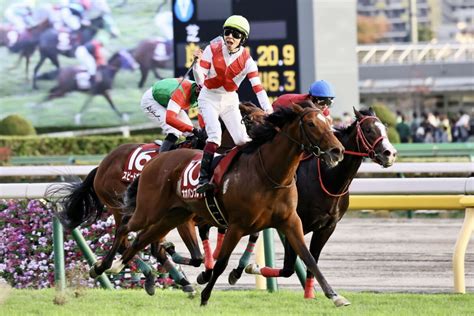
[
  {"x": 58, "y": 247},
  {"x": 461, "y": 244},
  {"x": 299, "y": 266},
  {"x": 269, "y": 257}
]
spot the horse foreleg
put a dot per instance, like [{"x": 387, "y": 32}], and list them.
[
  {"x": 160, "y": 254},
  {"x": 205, "y": 276},
  {"x": 293, "y": 230},
  {"x": 231, "y": 239},
  {"x": 220, "y": 239},
  {"x": 27, "y": 67},
  {"x": 235, "y": 274},
  {"x": 86, "y": 104},
  {"x": 187, "y": 231},
  {"x": 155, "y": 72},
  {"x": 107, "y": 96},
  {"x": 318, "y": 240},
  {"x": 144, "y": 73},
  {"x": 37, "y": 67}
]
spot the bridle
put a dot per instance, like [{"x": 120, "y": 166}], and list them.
[
  {"x": 360, "y": 140},
  {"x": 312, "y": 148}
]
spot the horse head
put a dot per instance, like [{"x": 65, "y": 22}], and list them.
[
  {"x": 251, "y": 114},
  {"x": 372, "y": 138},
  {"x": 308, "y": 128},
  {"x": 122, "y": 60}
]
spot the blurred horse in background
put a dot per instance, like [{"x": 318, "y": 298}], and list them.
[
  {"x": 77, "y": 79},
  {"x": 153, "y": 54},
  {"x": 52, "y": 43}
]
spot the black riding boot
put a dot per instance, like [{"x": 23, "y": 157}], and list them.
[
  {"x": 205, "y": 173},
  {"x": 168, "y": 143}
]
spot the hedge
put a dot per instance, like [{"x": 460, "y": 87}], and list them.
[{"x": 88, "y": 145}]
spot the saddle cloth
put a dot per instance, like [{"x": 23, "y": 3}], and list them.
[
  {"x": 190, "y": 177},
  {"x": 137, "y": 159}
]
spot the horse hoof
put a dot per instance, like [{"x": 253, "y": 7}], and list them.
[
  {"x": 233, "y": 277},
  {"x": 93, "y": 273},
  {"x": 340, "y": 301},
  {"x": 201, "y": 279},
  {"x": 252, "y": 268},
  {"x": 189, "y": 290},
  {"x": 77, "y": 119},
  {"x": 203, "y": 303},
  {"x": 125, "y": 117},
  {"x": 149, "y": 284}
]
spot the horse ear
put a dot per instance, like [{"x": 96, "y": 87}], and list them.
[
  {"x": 297, "y": 108},
  {"x": 371, "y": 111},
  {"x": 357, "y": 113}
]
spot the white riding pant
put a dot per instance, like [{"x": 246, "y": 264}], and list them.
[
  {"x": 157, "y": 113},
  {"x": 86, "y": 60},
  {"x": 214, "y": 104}
]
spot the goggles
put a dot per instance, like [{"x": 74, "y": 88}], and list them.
[
  {"x": 235, "y": 33},
  {"x": 324, "y": 101}
]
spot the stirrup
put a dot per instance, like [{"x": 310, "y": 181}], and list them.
[{"x": 206, "y": 186}]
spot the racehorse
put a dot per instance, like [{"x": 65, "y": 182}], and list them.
[
  {"x": 323, "y": 196},
  {"x": 71, "y": 79},
  {"x": 84, "y": 201},
  {"x": 24, "y": 44},
  {"x": 259, "y": 192},
  {"x": 52, "y": 43},
  {"x": 151, "y": 54}
]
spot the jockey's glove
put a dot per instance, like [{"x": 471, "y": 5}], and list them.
[{"x": 200, "y": 134}]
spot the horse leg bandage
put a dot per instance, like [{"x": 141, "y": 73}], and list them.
[
  {"x": 244, "y": 260},
  {"x": 174, "y": 273},
  {"x": 270, "y": 272},
  {"x": 144, "y": 268},
  {"x": 220, "y": 239},
  {"x": 208, "y": 259},
  {"x": 309, "y": 288}
]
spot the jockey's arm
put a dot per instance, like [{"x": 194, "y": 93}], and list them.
[
  {"x": 172, "y": 119},
  {"x": 203, "y": 65},
  {"x": 252, "y": 75}
]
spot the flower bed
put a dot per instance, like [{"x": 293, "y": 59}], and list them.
[{"x": 26, "y": 249}]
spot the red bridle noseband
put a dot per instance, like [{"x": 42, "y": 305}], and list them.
[{"x": 360, "y": 139}]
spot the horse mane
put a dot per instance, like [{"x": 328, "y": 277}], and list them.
[
  {"x": 265, "y": 132},
  {"x": 346, "y": 130}
]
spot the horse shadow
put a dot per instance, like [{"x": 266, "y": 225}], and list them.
[{"x": 76, "y": 78}]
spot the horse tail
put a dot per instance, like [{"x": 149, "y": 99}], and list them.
[
  {"x": 130, "y": 197},
  {"x": 81, "y": 204}
]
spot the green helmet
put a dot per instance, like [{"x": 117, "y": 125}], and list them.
[{"x": 238, "y": 22}]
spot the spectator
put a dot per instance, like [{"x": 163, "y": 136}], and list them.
[{"x": 403, "y": 129}]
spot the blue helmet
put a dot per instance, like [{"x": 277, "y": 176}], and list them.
[{"x": 321, "y": 89}]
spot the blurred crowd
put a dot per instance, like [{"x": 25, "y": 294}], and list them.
[{"x": 434, "y": 127}]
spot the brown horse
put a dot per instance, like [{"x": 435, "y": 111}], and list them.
[
  {"x": 70, "y": 78},
  {"x": 84, "y": 201},
  {"x": 259, "y": 192},
  {"x": 151, "y": 54}
]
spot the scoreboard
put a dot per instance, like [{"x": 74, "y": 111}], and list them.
[{"x": 273, "y": 41}]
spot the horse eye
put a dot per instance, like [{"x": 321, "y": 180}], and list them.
[{"x": 311, "y": 124}]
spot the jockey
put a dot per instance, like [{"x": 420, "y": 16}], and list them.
[
  {"x": 320, "y": 93},
  {"x": 166, "y": 103},
  {"x": 20, "y": 15},
  {"x": 91, "y": 55},
  {"x": 221, "y": 69}
]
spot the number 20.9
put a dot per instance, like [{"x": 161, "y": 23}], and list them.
[{"x": 269, "y": 55}]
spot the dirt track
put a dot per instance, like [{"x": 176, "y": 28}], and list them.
[{"x": 383, "y": 255}]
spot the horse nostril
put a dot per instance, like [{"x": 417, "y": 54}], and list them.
[
  {"x": 389, "y": 153},
  {"x": 336, "y": 151}
]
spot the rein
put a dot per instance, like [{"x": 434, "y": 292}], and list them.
[
  {"x": 370, "y": 152},
  {"x": 276, "y": 184}
]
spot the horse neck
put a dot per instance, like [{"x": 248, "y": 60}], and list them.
[
  {"x": 280, "y": 159},
  {"x": 340, "y": 177}
]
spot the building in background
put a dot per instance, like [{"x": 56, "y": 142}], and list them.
[{"x": 442, "y": 20}]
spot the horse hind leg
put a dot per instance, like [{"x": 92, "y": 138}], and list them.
[
  {"x": 236, "y": 273},
  {"x": 187, "y": 232},
  {"x": 159, "y": 253},
  {"x": 205, "y": 276},
  {"x": 293, "y": 231}
]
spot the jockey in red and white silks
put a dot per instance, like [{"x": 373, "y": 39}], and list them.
[{"x": 220, "y": 69}]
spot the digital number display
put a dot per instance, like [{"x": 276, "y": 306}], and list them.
[{"x": 273, "y": 40}]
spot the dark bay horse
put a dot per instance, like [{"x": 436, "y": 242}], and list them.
[
  {"x": 23, "y": 44},
  {"x": 84, "y": 201},
  {"x": 53, "y": 43},
  {"x": 259, "y": 192},
  {"x": 153, "y": 54},
  {"x": 68, "y": 81},
  {"x": 323, "y": 196}
]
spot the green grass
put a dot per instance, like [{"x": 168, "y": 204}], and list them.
[
  {"x": 167, "y": 302},
  {"x": 135, "y": 21}
]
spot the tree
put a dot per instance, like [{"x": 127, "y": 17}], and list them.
[{"x": 371, "y": 29}]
